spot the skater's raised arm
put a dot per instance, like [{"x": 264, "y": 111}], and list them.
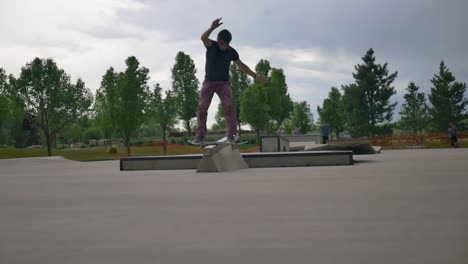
[
  {"x": 245, "y": 69},
  {"x": 206, "y": 35}
]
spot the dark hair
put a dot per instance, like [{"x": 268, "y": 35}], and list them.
[{"x": 225, "y": 35}]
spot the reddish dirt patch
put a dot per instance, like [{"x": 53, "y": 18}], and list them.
[
  {"x": 158, "y": 144},
  {"x": 250, "y": 150},
  {"x": 172, "y": 148},
  {"x": 187, "y": 148}
]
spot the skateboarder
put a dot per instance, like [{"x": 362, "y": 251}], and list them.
[
  {"x": 219, "y": 55},
  {"x": 325, "y": 132},
  {"x": 452, "y": 131}
]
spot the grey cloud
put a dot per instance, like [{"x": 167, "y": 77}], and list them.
[{"x": 412, "y": 36}]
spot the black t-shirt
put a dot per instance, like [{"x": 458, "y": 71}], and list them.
[{"x": 218, "y": 62}]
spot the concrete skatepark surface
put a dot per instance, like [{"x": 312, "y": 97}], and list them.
[{"x": 405, "y": 206}]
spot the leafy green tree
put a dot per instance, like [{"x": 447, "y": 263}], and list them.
[
  {"x": 6, "y": 111},
  {"x": 51, "y": 97},
  {"x": 288, "y": 126},
  {"x": 132, "y": 100},
  {"x": 239, "y": 83},
  {"x": 302, "y": 117},
  {"x": 414, "y": 112},
  {"x": 163, "y": 110},
  {"x": 107, "y": 101},
  {"x": 11, "y": 112},
  {"x": 332, "y": 111},
  {"x": 447, "y": 99},
  {"x": 220, "y": 117},
  {"x": 367, "y": 101},
  {"x": 92, "y": 133},
  {"x": 185, "y": 89},
  {"x": 263, "y": 68},
  {"x": 281, "y": 105},
  {"x": 254, "y": 108}
]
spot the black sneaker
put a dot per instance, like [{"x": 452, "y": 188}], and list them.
[
  {"x": 198, "y": 140},
  {"x": 233, "y": 138}
]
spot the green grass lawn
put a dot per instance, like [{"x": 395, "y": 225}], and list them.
[
  {"x": 247, "y": 146},
  {"x": 93, "y": 154}
]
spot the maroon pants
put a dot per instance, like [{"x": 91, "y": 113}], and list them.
[{"x": 223, "y": 90}]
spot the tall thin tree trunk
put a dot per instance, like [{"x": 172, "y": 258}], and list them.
[
  {"x": 1, "y": 134},
  {"x": 164, "y": 144},
  {"x": 110, "y": 137},
  {"x": 127, "y": 142},
  {"x": 187, "y": 122},
  {"x": 49, "y": 146},
  {"x": 258, "y": 137}
]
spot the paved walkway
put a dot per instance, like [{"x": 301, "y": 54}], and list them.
[{"x": 406, "y": 206}]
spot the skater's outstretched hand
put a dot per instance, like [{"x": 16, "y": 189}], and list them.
[
  {"x": 261, "y": 79},
  {"x": 206, "y": 35},
  {"x": 245, "y": 69},
  {"x": 216, "y": 23}
]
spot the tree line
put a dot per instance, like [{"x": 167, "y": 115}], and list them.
[
  {"x": 43, "y": 106},
  {"x": 364, "y": 108}
]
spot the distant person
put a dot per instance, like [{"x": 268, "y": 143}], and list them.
[
  {"x": 280, "y": 131},
  {"x": 452, "y": 131},
  {"x": 325, "y": 132},
  {"x": 219, "y": 55}
]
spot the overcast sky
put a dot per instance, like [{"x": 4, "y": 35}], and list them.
[{"x": 316, "y": 42}]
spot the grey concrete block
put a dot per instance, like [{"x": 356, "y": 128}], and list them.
[
  {"x": 298, "y": 159},
  {"x": 274, "y": 144},
  {"x": 221, "y": 157}
]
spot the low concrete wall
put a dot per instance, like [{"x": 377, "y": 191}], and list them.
[
  {"x": 179, "y": 162},
  {"x": 286, "y": 143},
  {"x": 298, "y": 159},
  {"x": 274, "y": 144},
  {"x": 254, "y": 160}
]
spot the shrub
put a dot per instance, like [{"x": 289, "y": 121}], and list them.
[
  {"x": 249, "y": 139},
  {"x": 138, "y": 142},
  {"x": 182, "y": 141},
  {"x": 92, "y": 133},
  {"x": 112, "y": 150},
  {"x": 61, "y": 146}
]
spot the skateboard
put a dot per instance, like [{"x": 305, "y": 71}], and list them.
[{"x": 220, "y": 141}]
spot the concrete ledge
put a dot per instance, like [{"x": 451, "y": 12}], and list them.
[
  {"x": 254, "y": 160},
  {"x": 274, "y": 144},
  {"x": 298, "y": 159},
  {"x": 356, "y": 148},
  {"x": 176, "y": 162}
]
